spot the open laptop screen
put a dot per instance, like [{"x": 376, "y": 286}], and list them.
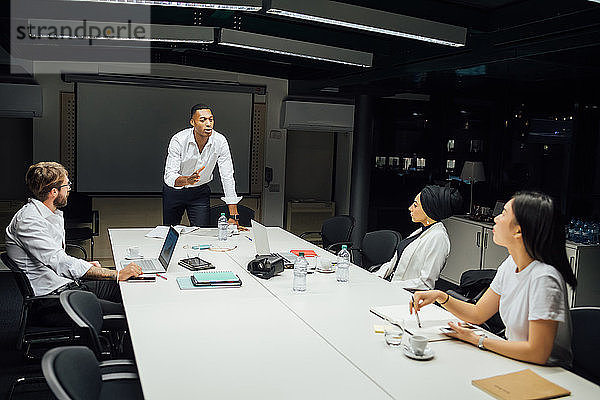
[{"x": 168, "y": 247}]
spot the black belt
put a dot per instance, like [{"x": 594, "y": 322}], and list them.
[{"x": 68, "y": 286}]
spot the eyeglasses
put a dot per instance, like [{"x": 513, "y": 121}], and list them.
[{"x": 62, "y": 186}]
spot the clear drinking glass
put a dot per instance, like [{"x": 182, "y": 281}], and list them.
[{"x": 393, "y": 335}]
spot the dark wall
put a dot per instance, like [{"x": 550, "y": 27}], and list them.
[{"x": 16, "y": 154}]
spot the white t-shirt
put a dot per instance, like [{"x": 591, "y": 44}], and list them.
[{"x": 538, "y": 292}]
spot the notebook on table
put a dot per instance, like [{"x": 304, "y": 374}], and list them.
[
  {"x": 209, "y": 279},
  {"x": 524, "y": 384},
  {"x": 261, "y": 242},
  {"x": 160, "y": 264}
]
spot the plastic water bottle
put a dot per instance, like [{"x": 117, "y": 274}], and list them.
[
  {"x": 300, "y": 270},
  {"x": 222, "y": 225},
  {"x": 343, "y": 266}
]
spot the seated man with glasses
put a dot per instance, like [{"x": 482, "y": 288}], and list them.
[{"x": 35, "y": 241}]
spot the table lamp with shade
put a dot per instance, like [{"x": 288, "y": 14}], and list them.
[{"x": 472, "y": 172}]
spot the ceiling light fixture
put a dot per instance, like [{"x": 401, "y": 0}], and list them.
[
  {"x": 96, "y": 30},
  {"x": 232, "y": 5},
  {"x": 296, "y": 48},
  {"x": 367, "y": 19}
]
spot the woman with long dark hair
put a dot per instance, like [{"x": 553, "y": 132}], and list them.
[{"x": 529, "y": 288}]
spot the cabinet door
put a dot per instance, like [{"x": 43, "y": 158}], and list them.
[
  {"x": 493, "y": 255},
  {"x": 572, "y": 257},
  {"x": 588, "y": 276},
  {"x": 465, "y": 249}
]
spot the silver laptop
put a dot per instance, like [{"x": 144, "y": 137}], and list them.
[
  {"x": 160, "y": 264},
  {"x": 261, "y": 242}
]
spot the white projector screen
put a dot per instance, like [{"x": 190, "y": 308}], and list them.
[{"x": 123, "y": 132}]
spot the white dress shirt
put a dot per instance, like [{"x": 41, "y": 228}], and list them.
[
  {"x": 184, "y": 158},
  {"x": 422, "y": 260},
  {"x": 35, "y": 241}
]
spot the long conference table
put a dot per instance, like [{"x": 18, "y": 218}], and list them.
[{"x": 263, "y": 340}]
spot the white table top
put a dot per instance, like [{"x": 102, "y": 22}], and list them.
[{"x": 326, "y": 333}]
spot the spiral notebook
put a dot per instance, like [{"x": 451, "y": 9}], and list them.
[{"x": 209, "y": 279}]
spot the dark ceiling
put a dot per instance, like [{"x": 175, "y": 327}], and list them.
[{"x": 518, "y": 41}]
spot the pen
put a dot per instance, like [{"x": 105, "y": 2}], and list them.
[
  {"x": 416, "y": 313},
  {"x": 249, "y": 238},
  {"x": 162, "y": 276}
]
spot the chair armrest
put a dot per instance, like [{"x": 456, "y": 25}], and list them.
[
  {"x": 78, "y": 247},
  {"x": 113, "y": 317},
  {"x": 374, "y": 268},
  {"x": 112, "y": 363},
  {"x": 304, "y": 234},
  {"x": 457, "y": 295},
  {"x": 340, "y": 244},
  {"x": 32, "y": 299},
  {"x": 95, "y": 222},
  {"x": 119, "y": 376}
]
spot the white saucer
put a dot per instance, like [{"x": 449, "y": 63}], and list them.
[
  {"x": 134, "y": 258},
  {"x": 326, "y": 271},
  {"x": 427, "y": 355}
]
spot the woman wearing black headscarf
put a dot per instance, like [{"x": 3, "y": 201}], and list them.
[{"x": 422, "y": 255}]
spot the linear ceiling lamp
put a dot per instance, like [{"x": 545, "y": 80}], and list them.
[
  {"x": 232, "y": 5},
  {"x": 367, "y": 19},
  {"x": 290, "y": 47},
  {"x": 96, "y": 30}
]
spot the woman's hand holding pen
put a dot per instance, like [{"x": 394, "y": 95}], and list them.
[{"x": 421, "y": 299}]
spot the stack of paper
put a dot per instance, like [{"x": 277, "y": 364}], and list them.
[{"x": 160, "y": 231}]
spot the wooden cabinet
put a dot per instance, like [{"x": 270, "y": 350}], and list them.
[{"x": 471, "y": 247}]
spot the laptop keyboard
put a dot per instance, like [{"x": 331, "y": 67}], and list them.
[{"x": 147, "y": 265}]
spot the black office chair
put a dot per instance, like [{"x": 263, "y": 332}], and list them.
[
  {"x": 79, "y": 211},
  {"x": 85, "y": 311},
  {"x": 586, "y": 323},
  {"x": 377, "y": 248},
  {"x": 335, "y": 232},
  {"x": 246, "y": 214},
  {"x": 30, "y": 331},
  {"x": 473, "y": 284},
  {"x": 73, "y": 373}
]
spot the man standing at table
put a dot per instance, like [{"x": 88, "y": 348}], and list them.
[
  {"x": 191, "y": 159},
  {"x": 35, "y": 241}
]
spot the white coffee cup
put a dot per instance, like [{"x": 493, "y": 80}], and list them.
[
  {"x": 232, "y": 229},
  {"x": 418, "y": 344},
  {"x": 133, "y": 252}
]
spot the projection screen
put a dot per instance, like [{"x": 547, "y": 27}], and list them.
[{"x": 123, "y": 132}]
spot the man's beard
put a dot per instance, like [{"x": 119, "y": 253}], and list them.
[{"x": 60, "y": 201}]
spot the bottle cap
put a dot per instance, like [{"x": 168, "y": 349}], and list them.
[
  {"x": 222, "y": 214},
  {"x": 344, "y": 246}
]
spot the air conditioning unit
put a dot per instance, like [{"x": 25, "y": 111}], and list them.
[
  {"x": 20, "y": 100},
  {"x": 315, "y": 116}
]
